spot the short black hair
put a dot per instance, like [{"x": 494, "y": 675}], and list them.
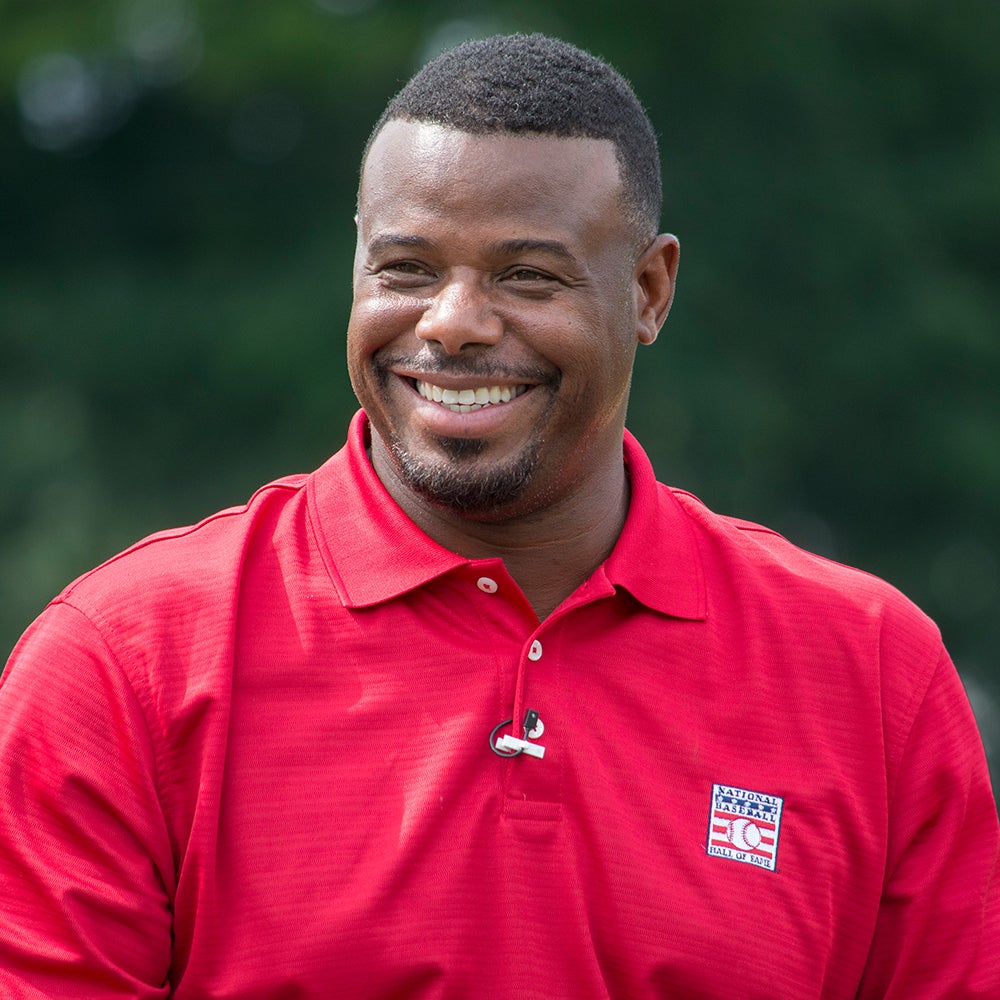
[{"x": 533, "y": 83}]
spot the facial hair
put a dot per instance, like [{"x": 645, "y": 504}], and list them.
[
  {"x": 454, "y": 483},
  {"x": 467, "y": 491}
]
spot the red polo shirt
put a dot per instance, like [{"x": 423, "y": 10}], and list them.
[{"x": 250, "y": 759}]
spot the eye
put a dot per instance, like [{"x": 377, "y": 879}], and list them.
[
  {"x": 402, "y": 267},
  {"x": 405, "y": 273},
  {"x": 528, "y": 275}
]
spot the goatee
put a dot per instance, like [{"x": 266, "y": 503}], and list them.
[{"x": 469, "y": 492}]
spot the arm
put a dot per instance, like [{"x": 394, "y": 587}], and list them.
[
  {"x": 937, "y": 933},
  {"x": 85, "y": 863}
]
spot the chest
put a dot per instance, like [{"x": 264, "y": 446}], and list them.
[{"x": 699, "y": 821}]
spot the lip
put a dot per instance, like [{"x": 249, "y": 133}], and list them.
[{"x": 483, "y": 420}]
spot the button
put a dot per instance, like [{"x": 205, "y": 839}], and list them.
[
  {"x": 486, "y": 585},
  {"x": 535, "y": 652}
]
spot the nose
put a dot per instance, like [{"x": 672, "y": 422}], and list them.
[{"x": 459, "y": 316}]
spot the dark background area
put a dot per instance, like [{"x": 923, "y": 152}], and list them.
[{"x": 176, "y": 196}]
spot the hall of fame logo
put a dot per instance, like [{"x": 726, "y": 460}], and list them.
[{"x": 744, "y": 826}]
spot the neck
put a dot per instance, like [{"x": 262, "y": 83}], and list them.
[{"x": 549, "y": 552}]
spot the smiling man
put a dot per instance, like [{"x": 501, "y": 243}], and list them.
[
  {"x": 480, "y": 708},
  {"x": 492, "y": 339}
]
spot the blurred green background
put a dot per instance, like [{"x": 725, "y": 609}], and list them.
[{"x": 176, "y": 193}]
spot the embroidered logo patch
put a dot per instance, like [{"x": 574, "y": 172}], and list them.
[{"x": 744, "y": 826}]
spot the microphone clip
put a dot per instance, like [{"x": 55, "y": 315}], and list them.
[{"x": 511, "y": 746}]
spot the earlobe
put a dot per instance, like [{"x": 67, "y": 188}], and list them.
[{"x": 655, "y": 277}]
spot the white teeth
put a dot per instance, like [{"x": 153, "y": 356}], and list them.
[{"x": 467, "y": 400}]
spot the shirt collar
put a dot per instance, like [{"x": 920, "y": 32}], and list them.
[
  {"x": 373, "y": 551},
  {"x": 380, "y": 553},
  {"x": 656, "y": 558}
]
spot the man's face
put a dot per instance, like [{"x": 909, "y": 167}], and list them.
[{"x": 494, "y": 323}]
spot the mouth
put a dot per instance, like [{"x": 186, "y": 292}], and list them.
[{"x": 468, "y": 400}]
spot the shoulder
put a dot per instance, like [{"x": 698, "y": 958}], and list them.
[
  {"x": 752, "y": 565},
  {"x": 824, "y": 626},
  {"x": 188, "y": 557},
  {"x": 160, "y": 618}
]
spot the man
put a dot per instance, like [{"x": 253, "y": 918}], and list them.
[{"x": 480, "y": 709}]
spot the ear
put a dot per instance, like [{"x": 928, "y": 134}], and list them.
[{"x": 653, "y": 285}]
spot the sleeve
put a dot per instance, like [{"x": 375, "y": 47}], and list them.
[
  {"x": 86, "y": 870},
  {"x": 937, "y": 933}
]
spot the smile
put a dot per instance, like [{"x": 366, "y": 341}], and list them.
[{"x": 468, "y": 400}]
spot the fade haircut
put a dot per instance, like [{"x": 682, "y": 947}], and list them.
[{"x": 532, "y": 83}]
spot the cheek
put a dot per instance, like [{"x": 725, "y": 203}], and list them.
[
  {"x": 600, "y": 354},
  {"x": 376, "y": 321}
]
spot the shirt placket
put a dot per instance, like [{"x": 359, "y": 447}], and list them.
[
  {"x": 521, "y": 741},
  {"x": 532, "y": 785}
]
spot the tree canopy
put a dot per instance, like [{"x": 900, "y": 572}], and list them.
[{"x": 177, "y": 183}]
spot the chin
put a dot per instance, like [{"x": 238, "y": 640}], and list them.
[{"x": 465, "y": 487}]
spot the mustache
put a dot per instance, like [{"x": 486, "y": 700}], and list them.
[{"x": 478, "y": 368}]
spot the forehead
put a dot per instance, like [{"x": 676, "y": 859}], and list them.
[{"x": 415, "y": 167}]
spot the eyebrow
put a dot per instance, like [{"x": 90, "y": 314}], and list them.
[
  {"x": 502, "y": 248},
  {"x": 511, "y": 248},
  {"x": 391, "y": 240}
]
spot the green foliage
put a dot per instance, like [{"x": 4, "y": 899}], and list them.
[{"x": 174, "y": 269}]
